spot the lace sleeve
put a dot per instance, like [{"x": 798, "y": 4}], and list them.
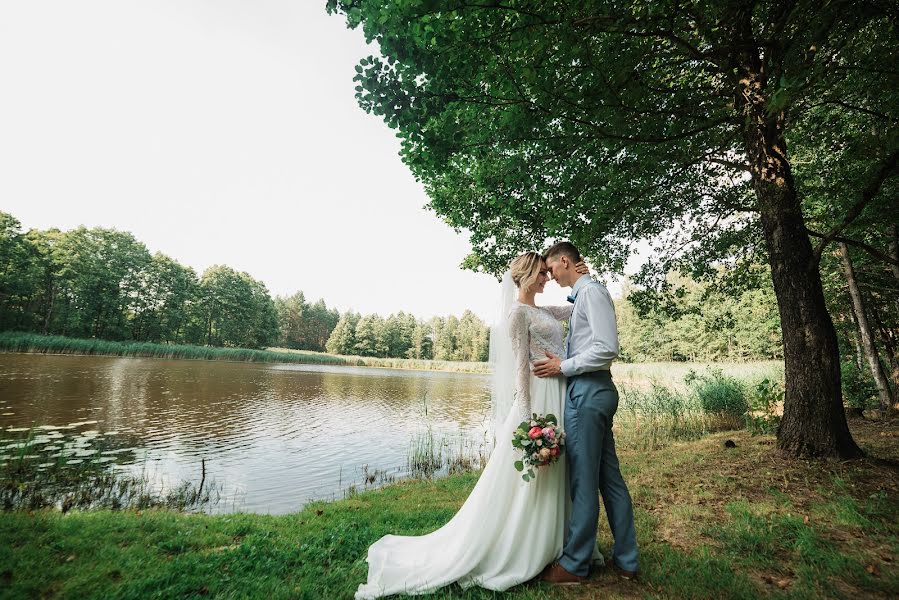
[
  {"x": 518, "y": 332},
  {"x": 560, "y": 313}
]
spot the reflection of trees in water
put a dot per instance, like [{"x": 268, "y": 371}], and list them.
[
  {"x": 445, "y": 397},
  {"x": 203, "y": 407}
]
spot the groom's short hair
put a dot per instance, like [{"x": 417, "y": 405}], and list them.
[{"x": 563, "y": 248}]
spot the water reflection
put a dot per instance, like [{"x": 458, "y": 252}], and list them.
[{"x": 275, "y": 436}]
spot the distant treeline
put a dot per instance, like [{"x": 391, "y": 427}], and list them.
[
  {"x": 104, "y": 284},
  {"x": 402, "y": 335},
  {"x": 703, "y": 324}
]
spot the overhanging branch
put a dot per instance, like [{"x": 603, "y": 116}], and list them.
[
  {"x": 863, "y": 246},
  {"x": 868, "y": 194}
]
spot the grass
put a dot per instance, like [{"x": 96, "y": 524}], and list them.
[
  {"x": 415, "y": 364},
  {"x": 674, "y": 374},
  {"x": 713, "y": 522},
  {"x": 660, "y": 416},
  {"x": 643, "y": 374},
  {"x": 12, "y": 341}
]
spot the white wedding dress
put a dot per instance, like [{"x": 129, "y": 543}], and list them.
[{"x": 508, "y": 529}]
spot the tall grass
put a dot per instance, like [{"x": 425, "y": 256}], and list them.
[
  {"x": 12, "y": 341},
  {"x": 674, "y": 374},
  {"x": 415, "y": 364},
  {"x": 652, "y": 414},
  {"x": 653, "y": 419},
  {"x": 445, "y": 455}
]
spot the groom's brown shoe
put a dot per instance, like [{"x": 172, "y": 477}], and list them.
[
  {"x": 557, "y": 575},
  {"x": 625, "y": 574}
]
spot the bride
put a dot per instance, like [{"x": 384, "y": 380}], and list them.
[{"x": 508, "y": 529}]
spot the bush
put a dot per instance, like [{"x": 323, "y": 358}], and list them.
[
  {"x": 762, "y": 415},
  {"x": 859, "y": 391},
  {"x": 717, "y": 392}
]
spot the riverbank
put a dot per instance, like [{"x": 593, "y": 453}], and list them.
[
  {"x": 11, "y": 341},
  {"x": 713, "y": 522},
  {"x": 641, "y": 374}
]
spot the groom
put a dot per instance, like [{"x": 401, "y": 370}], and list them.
[{"x": 590, "y": 405}]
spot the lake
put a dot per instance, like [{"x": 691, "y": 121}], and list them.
[{"x": 273, "y": 436}]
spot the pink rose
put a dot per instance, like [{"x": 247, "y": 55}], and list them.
[
  {"x": 535, "y": 432},
  {"x": 554, "y": 452},
  {"x": 548, "y": 432}
]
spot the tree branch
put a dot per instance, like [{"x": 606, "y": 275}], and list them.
[
  {"x": 863, "y": 246},
  {"x": 868, "y": 194}
]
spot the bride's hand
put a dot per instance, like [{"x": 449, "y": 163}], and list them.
[{"x": 581, "y": 268}]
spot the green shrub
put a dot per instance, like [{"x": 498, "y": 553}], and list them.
[
  {"x": 762, "y": 415},
  {"x": 717, "y": 392},
  {"x": 859, "y": 391}
]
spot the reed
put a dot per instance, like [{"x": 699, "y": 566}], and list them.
[
  {"x": 13, "y": 341},
  {"x": 431, "y": 456},
  {"x": 31, "y": 478},
  {"x": 654, "y": 418},
  {"x": 414, "y": 364}
]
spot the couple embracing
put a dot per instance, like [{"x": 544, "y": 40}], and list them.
[{"x": 509, "y": 531}]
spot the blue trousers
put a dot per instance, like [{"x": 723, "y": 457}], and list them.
[{"x": 590, "y": 405}]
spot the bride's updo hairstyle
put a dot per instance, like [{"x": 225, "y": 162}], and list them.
[{"x": 525, "y": 268}]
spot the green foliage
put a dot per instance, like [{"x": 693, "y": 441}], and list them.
[
  {"x": 707, "y": 128},
  {"x": 104, "y": 284},
  {"x": 717, "y": 392},
  {"x": 859, "y": 390},
  {"x": 700, "y": 324},
  {"x": 403, "y": 336},
  {"x": 236, "y": 309},
  {"x": 13, "y": 341},
  {"x": 606, "y": 123},
  {"x": 303, "y": 325},
  {"x": 655, "y": 417},
  {"x": 765, "y": 402}
]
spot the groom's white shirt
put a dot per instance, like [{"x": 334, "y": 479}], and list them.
[{"x": 593, "y": 334}]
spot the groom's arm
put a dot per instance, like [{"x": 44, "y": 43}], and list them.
[{"x": 603, "y": 349}]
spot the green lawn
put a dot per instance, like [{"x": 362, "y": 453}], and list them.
[{"x": 713, "y": 523}]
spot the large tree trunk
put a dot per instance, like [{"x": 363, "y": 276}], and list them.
[
  {"x": 864, "y": 330},
  {"x": 814, "y": 421}
]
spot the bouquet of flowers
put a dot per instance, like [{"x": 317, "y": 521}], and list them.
[{"x": 541, "y": 440}]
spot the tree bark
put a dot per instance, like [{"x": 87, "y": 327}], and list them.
[
  {"x": 864, "y": 329},
  {"x": 45, "y": 328},
  {"x": 894, "y": 250},
  {"x": 859, "y": 354},
  {"x": 886, "y": 337},
  {"x": 814, "y": 421}
]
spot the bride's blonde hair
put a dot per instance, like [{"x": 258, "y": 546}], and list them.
[{"x": 525, "y": 268}]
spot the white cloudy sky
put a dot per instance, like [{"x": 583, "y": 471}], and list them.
[{"x": 223, "y": 132}]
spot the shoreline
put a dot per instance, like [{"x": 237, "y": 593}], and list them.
[
  {"x": 735, "y": 522},
  {"x": 26, "y": 343}
]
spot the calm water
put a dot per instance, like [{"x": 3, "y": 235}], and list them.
[{"x": 274, "y": 436}]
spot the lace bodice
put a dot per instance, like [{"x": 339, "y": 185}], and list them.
[{"x": 534, "y": 331}]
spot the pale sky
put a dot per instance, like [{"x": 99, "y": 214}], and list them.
[{"x": 224, "y": 132}]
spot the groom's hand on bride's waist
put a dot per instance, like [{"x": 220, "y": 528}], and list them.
[{"x": 551, "y": 366}]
